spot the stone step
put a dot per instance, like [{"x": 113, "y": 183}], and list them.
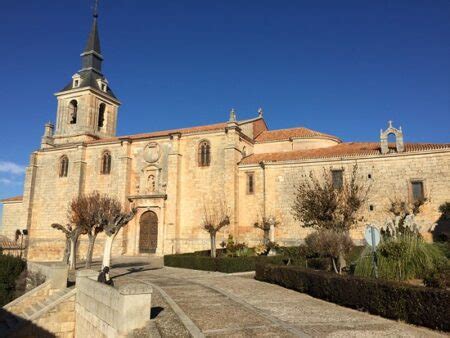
[{"x": 37, "y": 306}]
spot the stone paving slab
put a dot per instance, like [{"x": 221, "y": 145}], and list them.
[{"x": 222, "y": 305}]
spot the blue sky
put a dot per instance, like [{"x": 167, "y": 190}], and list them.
[{"x": 340, "y": 67}]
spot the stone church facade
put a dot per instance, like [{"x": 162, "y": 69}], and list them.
[{"x": 171, "y": 175}]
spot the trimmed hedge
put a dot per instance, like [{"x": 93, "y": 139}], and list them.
[
  {"x": 221, "y": 264},
  {"x": 414, "y": 304}
]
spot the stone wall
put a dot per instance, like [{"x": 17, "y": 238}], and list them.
[
  {"x": 390, "y": 178},
  {"x": 12, "y": 219},
  {"x": 183, "y": 188},
  {"x": 103, "y": 311}
]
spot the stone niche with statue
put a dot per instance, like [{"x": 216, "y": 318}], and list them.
[{"x": 151, "y": 175}]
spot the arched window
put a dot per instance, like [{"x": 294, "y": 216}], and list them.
[
  {"x": 106, "y": 163},
  {"x": 73, "y": 110},
  {"x": 204, "y": 154},
  {"x": 101, "y": 115},
  {"x": 63, "y": 166}
]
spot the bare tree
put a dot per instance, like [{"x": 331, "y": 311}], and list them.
[
  {"x": 266, "y": 224},
  {"x": 319, "y": 204},
  {"x": 85, "y": 211},
  {"x": 216, "y": 215},
  {"x": 72, "y": 234},
  {"x": 115, "y": 219}
]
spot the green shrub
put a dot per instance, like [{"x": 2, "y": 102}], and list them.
[
  {"x": 417, "y": 305},
  {"x": 10, "y": 269},
  {"x": 402, "y": 258},
  {"x": 439, "y": 278},
  {"x": 444, "y": 247},
  {"x": 221, "y": 264}
]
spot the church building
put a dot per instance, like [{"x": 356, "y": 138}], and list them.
[{"x": 171, "y": 175}]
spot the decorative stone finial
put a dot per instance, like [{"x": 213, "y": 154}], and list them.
[
  {"x": 232, "y": 115},
  {"x": 390, "y": 124},
  {"x": 260, "y": 112}
]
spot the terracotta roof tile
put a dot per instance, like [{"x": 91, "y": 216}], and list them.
[
  {"x": 286, "y": 134},
  {"x": 6, "y": 243},
  {"x": 12, "y": 199},
  {"x": 342, "y": 150},
  {"x": 209, "y": 127}
]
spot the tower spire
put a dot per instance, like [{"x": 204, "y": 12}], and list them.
[{"x": 92, "y": 56}]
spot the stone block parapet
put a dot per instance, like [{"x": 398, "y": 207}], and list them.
[
  {"x": 56, "y": 273},
  {"x": 105, "y": 311}
]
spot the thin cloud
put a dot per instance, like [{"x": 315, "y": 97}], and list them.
[
  {"x": 11, "y": 168},
  {"x": 7, "y": 181}
]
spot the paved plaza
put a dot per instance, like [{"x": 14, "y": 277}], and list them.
[{"x": 211, "y": 304}]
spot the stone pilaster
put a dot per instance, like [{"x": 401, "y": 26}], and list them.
[
  {"x": 28, "y": 195},
  {"x": 232, "y": 157},
  {"x": 172, "y": 220}
]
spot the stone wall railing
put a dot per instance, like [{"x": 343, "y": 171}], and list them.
[
  {"x": 105, "y": 311},
  {"x": 55, "y": 272}
]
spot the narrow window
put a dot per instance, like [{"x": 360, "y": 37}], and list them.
[
  {"x": 417, "y": 191},
  {"x": 63, "y": 166},
  {"x": 250, "y": 183},
  {"x": 73, "y": 110},
  {"x": 371, "y": 207},
  {"x": 101, "y": 115},
  {"x": 337, "y": 177},
  {"x": 204, "y": 155},
  {"x": 75, "y": 83},
  {"x": 106, "y": 163}
]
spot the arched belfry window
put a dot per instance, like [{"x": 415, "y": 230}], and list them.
[
  {"x": 106, "y": 163},
  {"x": 204, "y": 154},
  {"x": 101, "y": 115},
  {"x": 63, "y": 166},
  {"x": 73, "y": 110}
]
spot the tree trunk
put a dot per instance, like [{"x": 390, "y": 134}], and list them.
[
  {"x": 334, "y": 265},
  {"x": 342, "y": 262},
  {"x": 213, "y": 244},
  {"x": 90, "y": 250},
  {"x": 73, "y": 254},
  {"x": 266, "y": 236},
  {"x": 107, "y": 251},
  {"x": 66, "y": 252}
]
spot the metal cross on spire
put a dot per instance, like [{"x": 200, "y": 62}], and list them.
[{"x": 95, "y": 9}]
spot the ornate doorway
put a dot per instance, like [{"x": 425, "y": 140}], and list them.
[{"x": 148, "y": 232}]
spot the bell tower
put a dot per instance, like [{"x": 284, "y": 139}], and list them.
[{"x": 87, "y": 107}]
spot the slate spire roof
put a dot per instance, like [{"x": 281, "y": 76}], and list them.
[
  {"x": 93, "y": 42},
  {"x": 91, "y": 62},
  {"x": 91, "y": 57}
]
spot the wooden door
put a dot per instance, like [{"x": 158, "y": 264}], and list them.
[{"x": 148, "y": 232}]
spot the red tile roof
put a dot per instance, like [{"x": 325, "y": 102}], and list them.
[
  {"x": 6, "y": 243},
  {"x": 286, "y": 134},
  {"x": 197, "y": 129},
  {"x": 342, "y": 150},
  {"x": 12, "y": 199}
]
